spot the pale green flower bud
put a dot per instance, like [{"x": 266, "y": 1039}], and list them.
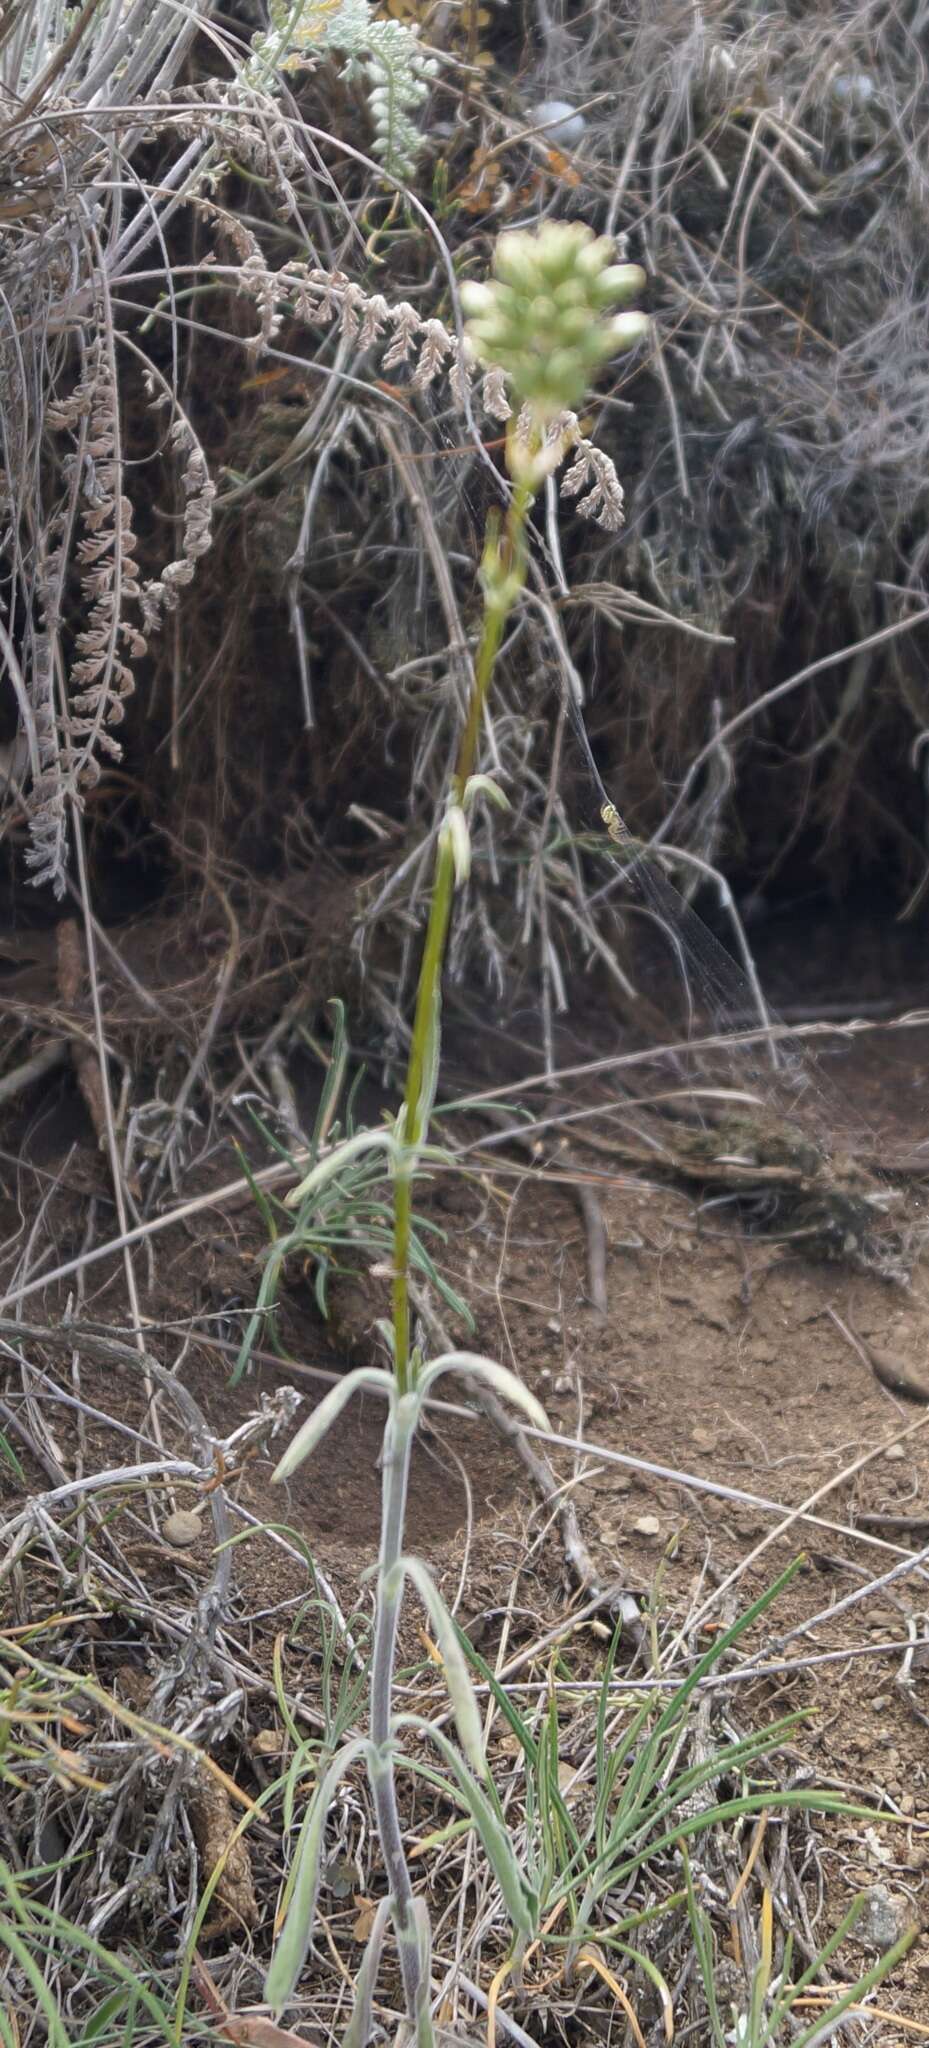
[
  {"x": 477, "y": 298},
  {"x": 629, "y": 327},
  {"x": 623, "y": 280},
  {"x": 541, "y": 318},
  {"x": 513, "y": 261}
]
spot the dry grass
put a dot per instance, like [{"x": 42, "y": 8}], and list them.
[
  {"x": 167, "y": 1715},
  {"x": 768, "y": 172}
]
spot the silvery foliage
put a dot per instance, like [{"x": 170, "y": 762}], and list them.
[{"x": 385, "y": 54}]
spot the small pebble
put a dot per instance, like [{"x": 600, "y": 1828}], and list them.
[
  {"x": 562, "y": 125},
  {"x": 880, "y": 1702},
  {"x": 883, "y": 1918},
  {"x": 647, "y": 1525},
  {"x": 897, "y": 1452},
  {"x": 267, "y": 1742},
  {"x": 705, "y": 1439},
  {"x": 854, "y": 88},
  {"x": 182, "y": 1528}
]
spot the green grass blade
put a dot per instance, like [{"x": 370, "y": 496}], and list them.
[
  {"x": 712, "y": 1656},
  {"x": 8, "y": 1454},
  {"x": 108, "y": 2009},
  {"x": 61, "y": 1931},
  {"x": 828, "y": 2021},
  {"x": 271, "y": 1139},
  {"x": 11, "y": 1939}
]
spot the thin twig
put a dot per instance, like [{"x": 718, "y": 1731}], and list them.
[{"x": 34, "y": 1069}]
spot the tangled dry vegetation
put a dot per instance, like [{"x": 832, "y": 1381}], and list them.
[
  {"x": 247, "y": 467},
  {"x": 768, "y": 172}
]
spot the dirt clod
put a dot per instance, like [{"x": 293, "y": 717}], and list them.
[
  {"x": 213, "y": 1823},
  {"x": 182, "y": 1528}
]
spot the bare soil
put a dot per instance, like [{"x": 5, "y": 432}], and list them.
[{"x": 722, "y": 1358}]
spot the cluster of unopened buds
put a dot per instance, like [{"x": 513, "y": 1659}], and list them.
[{"x": 547, "y": 317}]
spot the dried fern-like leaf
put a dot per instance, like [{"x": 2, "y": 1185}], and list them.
[{"x": 430, "y": 351}]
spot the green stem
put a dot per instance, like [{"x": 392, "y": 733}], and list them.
[{"x": 504, "y": 577}]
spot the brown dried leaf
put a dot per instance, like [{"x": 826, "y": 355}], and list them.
[{"x": 362, "y": 1925}]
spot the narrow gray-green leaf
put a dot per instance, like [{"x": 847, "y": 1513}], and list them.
[
  {"x": 457, "y": 1675},
  {"x": 358, "y": 2032},
  {"x": 519, "y": 1899},
  {"x": 327, "y": 1169},
  {"x": 425, "y": 2033},
  {"x": 472, "y": 1365},
  {"x": 328, "y": 1412},
  {"x": 293, "y": 1942}
]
